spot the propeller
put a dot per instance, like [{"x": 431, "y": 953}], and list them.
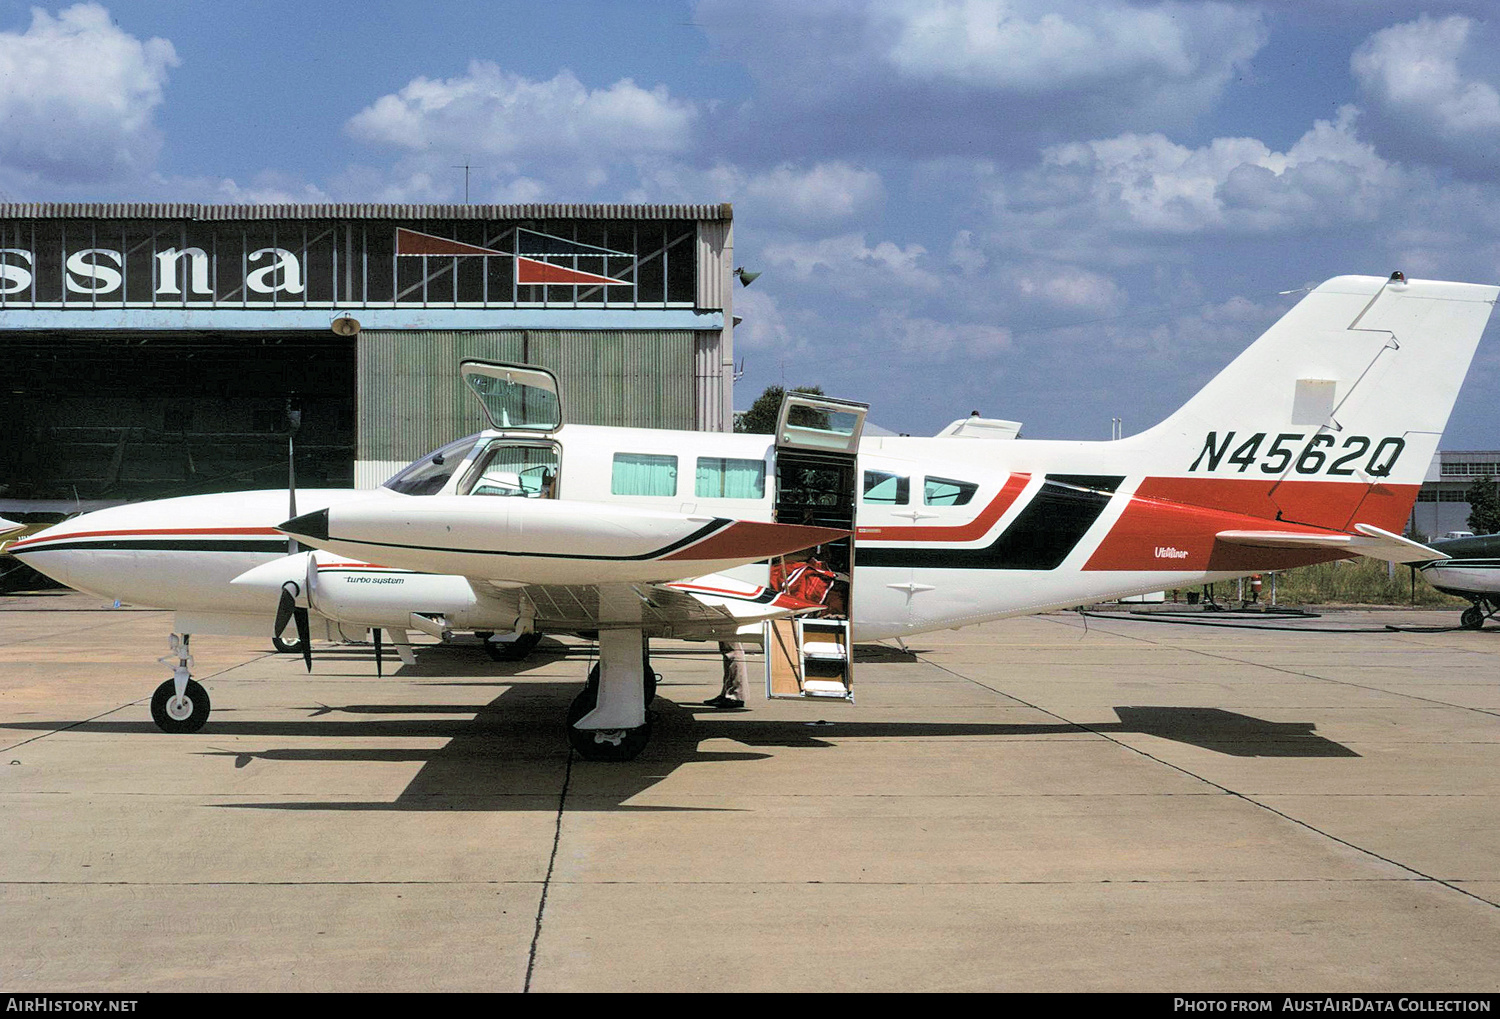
[
  {"x": 378, "y": 655},
  {"x": 294, "y": 422},
  {"x": 287, "y": 608}
]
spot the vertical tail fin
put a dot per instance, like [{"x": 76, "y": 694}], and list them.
[{"x": 1331, "y": 417}]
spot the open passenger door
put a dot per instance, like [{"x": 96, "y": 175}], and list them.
[{"x": 817, "y": 447}]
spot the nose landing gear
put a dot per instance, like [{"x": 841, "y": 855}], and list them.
[{"x": 180, "y": 705}]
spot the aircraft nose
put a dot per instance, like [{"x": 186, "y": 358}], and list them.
[{"x": 312, "y": 526}]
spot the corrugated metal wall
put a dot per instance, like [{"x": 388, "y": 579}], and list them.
[
  {"x": 411, "y": 399},
  {"x": 715, "y": 355},
  {"x": 715, "y": 252},
  {"x": 709, "y": 371}
]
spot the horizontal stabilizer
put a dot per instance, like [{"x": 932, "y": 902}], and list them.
[{"x": 1370, "y": 541}]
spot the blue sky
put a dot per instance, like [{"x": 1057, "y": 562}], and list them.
[{"x": 1058, "y": 211}]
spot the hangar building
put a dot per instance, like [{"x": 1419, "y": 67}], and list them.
[
  {"x": 1443, "y": 501},
  {"x": 150, "y": 350}
]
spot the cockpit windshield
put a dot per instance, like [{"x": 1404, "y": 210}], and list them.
[{"x": 428, "y": 475}]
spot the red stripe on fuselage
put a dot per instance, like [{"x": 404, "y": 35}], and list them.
[
  {"x": 972, "y": 531},
  {"x": 1329, "y": 504},
  {"x": 1171, "y": 523},
  {"x": 749, "y": 539}
]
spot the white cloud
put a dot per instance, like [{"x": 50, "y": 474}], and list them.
[
  {"x": 788, "y": 195},
  {"x": 1424, "y": 78},
  {"x": 1148, "y": 184},
  {"x": 765, "y": 327},
  {"x": 532, "y": 140},
  {"x": 79, "y": 97},
  {"x": 941, "y": 338},
  {"x": 519, "y": 124},
  {"x": 960, "y": 75},
  {"x": 850, "y": 263},
  {"x": 1061, "y": 286},
  {"x": 1009, "y": 44},
  {"x": 823, "y": 192}
]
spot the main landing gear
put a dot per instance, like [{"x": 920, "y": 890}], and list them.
[
  {"x": 608, "y": 720},
  {"x": 1474, "y": 616},
  {"x": 180, "y": 704},
  {"x": 511, "y": 650}
]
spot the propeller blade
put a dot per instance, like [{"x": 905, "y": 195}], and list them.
[
  {"x": 378, "y": 672},
  {"x": 285, "y": 607},
  {"x": 304, "y": 634}
]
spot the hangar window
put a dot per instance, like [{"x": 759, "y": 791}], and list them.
[
  {"x": 428, "y": 475},
  {"x": 643, "y": 474},
  {"x": 947, "y": 492},
  {"x": 887, "y": 489},
  {"x": 721, "y": 477}
]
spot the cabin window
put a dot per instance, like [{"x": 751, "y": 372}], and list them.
[
  {"x": 721, "y": 477},
  {"x": 643, "y": 474},
  {"x": 947, "y": 492},
  {"x": 887, "y": 489}
]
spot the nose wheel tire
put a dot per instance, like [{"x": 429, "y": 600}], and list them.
[
  {"x": 603, "y": 744},
  {"x": 179, "y": 716},
  {"x": 1473, "y": 618},
  {"x": 287, "y": 647}
]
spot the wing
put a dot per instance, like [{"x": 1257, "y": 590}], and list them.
[{"x": 712, "y": 607}]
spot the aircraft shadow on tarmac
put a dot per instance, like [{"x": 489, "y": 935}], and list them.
[{"x": 510, "y": 754}]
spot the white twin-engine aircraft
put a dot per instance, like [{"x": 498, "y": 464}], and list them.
[{"x": 1310, "y": 446}]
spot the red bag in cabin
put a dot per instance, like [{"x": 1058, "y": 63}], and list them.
[{"x": 809, "y": 582}]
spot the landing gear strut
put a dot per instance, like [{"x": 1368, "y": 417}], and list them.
[
  {"x": 608, "y": 720},
  {"x": 180, "y": 704}
]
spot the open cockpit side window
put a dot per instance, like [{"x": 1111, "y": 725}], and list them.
[{"x": 516, "y": 469}]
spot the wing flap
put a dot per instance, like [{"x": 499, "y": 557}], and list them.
[{"x": 708, "y": 607}]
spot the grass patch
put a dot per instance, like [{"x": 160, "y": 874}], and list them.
[{"x": 1347, "y": 582}]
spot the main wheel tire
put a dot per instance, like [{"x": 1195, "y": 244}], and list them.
[
  {"x": 287, "y": 647},
  {"x": 512, "y": 650},
  {"x": 1472, "y": 619},
  {"x": 187, "y": 715},
  {"x": 650, "y": 677},
  {"x": 603, "y": 744}
]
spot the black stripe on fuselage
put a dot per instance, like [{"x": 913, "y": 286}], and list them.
[
  {"x": 1040, "y": 538},
  {"x": 275, "y": 545},
  {"x": 717, "y": 524}
]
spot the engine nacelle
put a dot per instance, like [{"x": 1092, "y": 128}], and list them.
[
  {"x": 377, "y": 596},
  {"x": 364, "y": 595}
]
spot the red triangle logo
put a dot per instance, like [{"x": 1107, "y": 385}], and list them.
[
  {"x": 532, "y": 271},
  {"x": 410, "y": 242}
]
